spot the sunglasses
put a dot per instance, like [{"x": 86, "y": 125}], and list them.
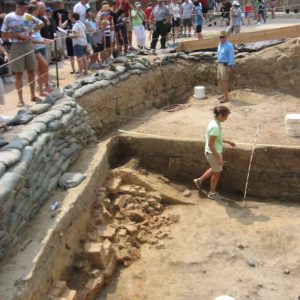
[{"x": 222, "y": 37}]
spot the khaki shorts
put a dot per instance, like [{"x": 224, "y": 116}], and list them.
[
  {"x": 215, "y": 166},
  {"x": 26, "y": 62},
  {"x": 222, "y": 72},
  {"x": 129, "y": 26}
]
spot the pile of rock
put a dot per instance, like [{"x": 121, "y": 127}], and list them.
[{"x": 124, "y": 217}]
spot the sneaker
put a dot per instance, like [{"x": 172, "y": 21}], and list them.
[
  {"x": 198, "y": 183},
  {"x": 152, "y": 51},
  {"x": 104, "y": 65},
  {"x": 189, "y": 35},
  {"x": 214, "y": 196},
  {"x": 94, "y": 66}
]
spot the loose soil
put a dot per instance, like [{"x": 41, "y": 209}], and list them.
[{"x": 207, "y": 254}]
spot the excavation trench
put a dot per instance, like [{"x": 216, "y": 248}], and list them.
[{"x": 137, "y": 206}]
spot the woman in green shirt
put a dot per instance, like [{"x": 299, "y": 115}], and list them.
[
  {"x": 213, "y": 151},
  {"x": 138, "y": 19}
]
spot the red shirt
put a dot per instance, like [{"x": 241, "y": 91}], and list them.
[
  {"x": 148, "y": 13},
  {"x": 125, "y": 7}
]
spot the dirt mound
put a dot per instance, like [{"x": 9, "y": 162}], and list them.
[{"x": 274, "y": 68}]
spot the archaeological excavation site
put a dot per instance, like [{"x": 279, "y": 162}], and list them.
[{"x": 97, "y": 199}]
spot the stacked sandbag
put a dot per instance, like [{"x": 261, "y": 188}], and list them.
[{"x": 32, "y": 163}]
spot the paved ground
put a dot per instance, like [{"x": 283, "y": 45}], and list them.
[{"x": 10, "y": 108}]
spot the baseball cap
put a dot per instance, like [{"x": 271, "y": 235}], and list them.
[
  {"x": 235, "y": 3},
  {"x": 23, "y": 2},
  {"x": 49, "y": 9}
]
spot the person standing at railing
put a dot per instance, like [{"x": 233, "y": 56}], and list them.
[
  {"x": 19, "y": 26},
  {"x": 261, "y": 12},
  {"x": 39, "y": 46},
  {"x": 248, "y": 11},
  {"x": 272, "y": 5},
  {"x": 162, "y": 20}
]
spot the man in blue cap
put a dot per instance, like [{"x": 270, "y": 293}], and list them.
[{"x": 225, "y": 56}]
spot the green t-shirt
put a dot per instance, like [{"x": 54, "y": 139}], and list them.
[
  {"x": 214, "y": 129},
  {"x": 138, "y": 19}
]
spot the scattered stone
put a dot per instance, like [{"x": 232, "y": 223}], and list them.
[
  {"x": 251, "y": 262},
  {"x": 242, "y": 246},
  {"x": 114, "y": 185},
  {"x": 287, "y": 271},
  {"x": 187, "y": 193},
  {"x": 108, "y": 233},
  {"x": 159, "y": 246}
]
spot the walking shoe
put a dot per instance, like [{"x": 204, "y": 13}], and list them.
[
  {"x": 198, "y": 183},
  {"x": 214, "y": 196}
]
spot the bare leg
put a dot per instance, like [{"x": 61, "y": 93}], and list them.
[
  {"x": 214, "y": 181},
  {"x": 31, "y": 83},
  {"x": 72, "y": 63},
  {"x": 224, "y": 85},
  {"x": 19, "y": 86}
]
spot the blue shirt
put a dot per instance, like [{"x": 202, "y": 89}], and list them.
[
  {"x": 226, "y": 53},
  {"x": 198, "y": 13}
]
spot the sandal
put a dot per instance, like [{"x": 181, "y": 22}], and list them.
[
  {"x": 36, "y": 99},
  {"x": 20, "y": 103}
]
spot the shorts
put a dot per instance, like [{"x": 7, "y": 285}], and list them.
[
  {"x": 79, "y": 50},
  {"x": 129, "y": 26},
  {"x": 187, "y": 22},
  {"x": 98, "y": 48},
  {"x": 215, "y": 166},
  {"x": 41, "y": 51},
  {"x": 107, "y": 42},
  {"x": 198, "y": 28},
  {"x": 23, "y": 63},
  {"x": 176, "y": 22},
  {"x": 222, "y": 72}
]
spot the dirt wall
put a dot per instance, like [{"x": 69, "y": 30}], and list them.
[{"x": 274, "y": 173}]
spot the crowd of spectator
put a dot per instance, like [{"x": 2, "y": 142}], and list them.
[{"x": 93, "y": 38}]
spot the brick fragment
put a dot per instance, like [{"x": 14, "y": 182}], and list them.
[
  {"x": 95, "y": 285},
  {"x": 70, "y": 294}
]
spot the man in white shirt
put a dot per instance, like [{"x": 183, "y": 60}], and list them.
[
  {"x": 186, "y": 11},
  {"x": 19, "y": 27},
  {"x": 81, "y": 8}
]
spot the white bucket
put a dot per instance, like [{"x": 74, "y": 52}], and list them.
[
  {"x": 224, "y": 297},
  {"x": 199, "y": 92},
  {"x": 292, "y": 125}
]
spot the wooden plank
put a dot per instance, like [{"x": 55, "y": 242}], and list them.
[{"x": 245, "y": 37}]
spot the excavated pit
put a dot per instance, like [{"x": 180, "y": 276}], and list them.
[{"x": 122, "y": 224}]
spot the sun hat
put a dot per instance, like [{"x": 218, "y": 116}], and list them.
[
  {"x": 235, "y": 3},
  {"x": 223, "y": 33},
  {"x": 137, "y": 3}
]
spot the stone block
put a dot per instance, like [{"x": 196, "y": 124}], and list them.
[
  {"x": 122, "y": 232},
  {"x": 120, "y": 202},
  {"x": 108, "y": 233},
  {"x": 95, "y": 285},
  {"x": 132, "y": 229},
  {"x": 60, "y": 285},
  {"x": 110, "y": 269},
  {"x": 69, "y": 294},
  {"x": 96, "y": 255},
  {"x": 114, "y": 185},
  {"x": 128, "y": 189}
]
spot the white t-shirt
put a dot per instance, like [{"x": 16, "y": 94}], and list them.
[
  {"x": 187, "y": 10},
  {"x": 175, "y": 10},
  {"x": 80, "y": 29},
  {"x": 81, "y": 10},
  {"x": 21, "y": 24}
]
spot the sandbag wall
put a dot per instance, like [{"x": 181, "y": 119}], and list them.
[{"x": 32, "y": 163}]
